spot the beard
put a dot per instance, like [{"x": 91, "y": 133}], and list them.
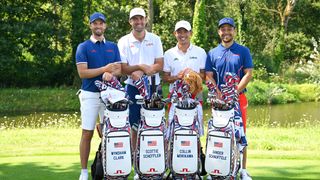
[{"x": 98, "y": 32}]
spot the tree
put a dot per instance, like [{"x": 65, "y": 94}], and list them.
[{"x": 199, "y": 36}]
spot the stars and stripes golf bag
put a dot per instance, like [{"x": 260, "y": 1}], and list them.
[
  {"x": 184, "y": 138},
  {"x": 116, "y": 144},
  {"x": 222, "y": 147},
  {"x": 150, "y": 154}
]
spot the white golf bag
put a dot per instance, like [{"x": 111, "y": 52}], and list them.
[
  {"x": 150, "y": 155},
  {"x": 116, "y": 144},
  {"x": 222, "y": 149},
  {"x": 184, "y": 138},
  {"x": 222, "y": 153}
]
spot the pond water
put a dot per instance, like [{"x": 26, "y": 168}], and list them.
[{"x": 288, "y": 115}]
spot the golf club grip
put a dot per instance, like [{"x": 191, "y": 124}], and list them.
[{"x": 153, "y": 84}]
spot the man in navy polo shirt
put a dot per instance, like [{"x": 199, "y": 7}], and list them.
[
  {"x": 96, "y": 59},
  {"x": 229, "y": 56}
]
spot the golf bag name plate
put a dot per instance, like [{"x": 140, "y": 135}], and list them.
[
  {"x": 221, "y": 118},
  {"x": 118, "y": 119},
  {"x": 218, "y": 156},
  {"x": 152, "y": 155},
  {"x": 153, "y": 118},
  {"x": 186, "y": 116},
  {"x": 185, "y": 152},
  {"x": 118, "y": 154}
]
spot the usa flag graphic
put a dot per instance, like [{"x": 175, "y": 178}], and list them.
[
  {"x": 185, "y": 143},
  {"x": 152, "y": 143},
  {"x": 218, "y": 144},
  {"x": 118, "y": 144}
]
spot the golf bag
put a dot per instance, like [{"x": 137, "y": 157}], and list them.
[
  {"x": 116, "y": 144},
  {"x": 222, "y": 151},
  {"x": 150, "y": 154},
  {"x": 184, "y": 138}
]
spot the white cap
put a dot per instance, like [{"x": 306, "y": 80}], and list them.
[
  {"x": 136, "y": 12},
  {"x": 183, "y": 24}
]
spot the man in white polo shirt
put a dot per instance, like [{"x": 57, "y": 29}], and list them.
[
  {"x": 181, "y": 58},
  {"x": 141, "y": 53}
]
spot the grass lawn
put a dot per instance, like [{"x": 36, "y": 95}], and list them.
[{"x": 52, "y": 153}]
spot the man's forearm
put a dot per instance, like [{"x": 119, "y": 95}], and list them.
[{"x": 128, "y": 70}]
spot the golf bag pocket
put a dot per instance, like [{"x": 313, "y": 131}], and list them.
[
  {"x": 218, "y": 156},
  {"x": 185, "y": 116},
  {"x": 118, "y": 154},
  {"x": 151, "y": 152},
  {"x": 153, "y": 118},
  {"x": 185, "y": 152},
  {"x": 221, "y": 118},
  {"x": 117, "y": 119}
]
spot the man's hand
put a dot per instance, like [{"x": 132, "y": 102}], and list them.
[
  {"x": 112, "y": 67},
  {"x": 148, "y": 70},
  {"x": 107, "y": 76},
  {"x": 136, "y": 75}
]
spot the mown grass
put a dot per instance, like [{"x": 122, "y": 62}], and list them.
[{"x": 52, "y": 153}]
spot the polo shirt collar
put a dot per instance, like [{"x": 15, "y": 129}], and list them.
[
  {"x": 233, "y": 46},
  {"x": 189, "y": 48},
  {"x": 94, "y": 40},
  {"x": 147, "y": 37}
]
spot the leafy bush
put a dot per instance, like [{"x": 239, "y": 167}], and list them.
[{"x": 260, "y": 92}]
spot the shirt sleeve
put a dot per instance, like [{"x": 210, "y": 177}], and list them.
[
  {"x": 248, "y": 63},
  {"x": 122, "y": 46},
  {"x": 117, "y": 54},
  {"x": 81, "y": 56},
  {"x": 158, "y": 48},
  {"x": 166, "y": 64}
]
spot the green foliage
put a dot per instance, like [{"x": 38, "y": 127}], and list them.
[
  {"x": 199, "y": 34},
  {"x": 170, "y": 12},
  {"x": 298, "y": 47},
  {"x": 260, "y": 92}
]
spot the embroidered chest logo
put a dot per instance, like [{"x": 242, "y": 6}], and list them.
[
  {"x": 93, "y": 51},
  {"x": 109, "y": 50},
  {"x": 175, "y": 59},
  {"x": 149, "y": 44},
  {"x": 193, "y": 57}
]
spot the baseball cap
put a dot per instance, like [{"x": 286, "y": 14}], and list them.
[
  {"x": 227, "y": 20},
  {"x": 136, "y": 12},
  {"x": 183, "y": 24},
  {"x": 96, "y": 16}
]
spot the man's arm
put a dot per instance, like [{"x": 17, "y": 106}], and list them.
[
  {"x": 152, "y": 69},
  {"x": 245, "y": 79},
  {"x": 209, "y": 77},
  {"x": 168, "y": 78},
  {"x": 84, "y": 72},
  {"x": 202, "y": 74},
  {"x": 158, "y": 65},
  {"x": 128, "y": 69}
]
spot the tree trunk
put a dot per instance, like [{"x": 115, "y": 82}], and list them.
[{"x": 151, "y": 14}]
